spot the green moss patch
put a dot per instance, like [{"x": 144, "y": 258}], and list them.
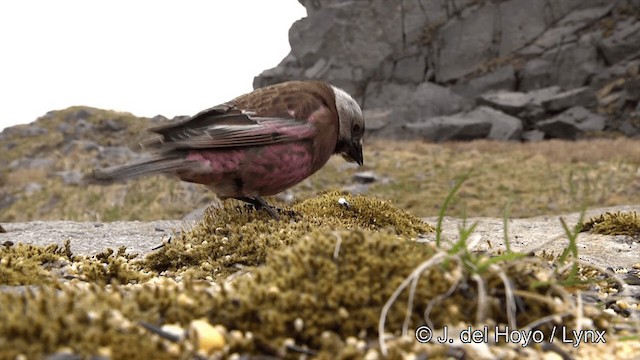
[
  {"x": 235, "y": 236},
  {"x": 22, "y": 264},
  {"x": 88, "y": 319},
  {"x": 336, "y": 209},
  {"x": 334, "y": 285},
  {"x": 320, "y": 282},
  {"x": 614, "y": 223}
]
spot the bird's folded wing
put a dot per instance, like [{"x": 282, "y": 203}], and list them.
[
  {"x": 224, "y": 127},
  {"x": 211, "y": 116},
  {"x": 267, "y": 131}
]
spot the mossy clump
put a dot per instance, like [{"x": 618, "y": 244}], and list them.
[
  {"x": 109, "y": 266},
  {"x": 317, "y": 282},
  {"x": 90, "y": 320},
  {"x": 614, "y": 223},
  {"x": 333, "y": 282},
  {"x": 324, "y": 294},
  {"x": 235, "y": 236},
  {"x": 334, "y": 285},
  {"x": 22, "y": 264},
  {"x": 342, "y": 210}
]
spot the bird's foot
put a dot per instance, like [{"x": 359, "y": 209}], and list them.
[{"x": 259, "y": 203}]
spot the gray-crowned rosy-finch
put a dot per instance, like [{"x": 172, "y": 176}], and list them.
[{"x": 257, "y": 144}]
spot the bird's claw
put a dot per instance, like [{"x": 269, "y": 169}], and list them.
[{"x": 257, "y": 203}]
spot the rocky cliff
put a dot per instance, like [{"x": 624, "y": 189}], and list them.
[{"x": 464, "y": 69}]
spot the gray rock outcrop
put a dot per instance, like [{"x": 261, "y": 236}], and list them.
[
  {"x": 413, "y": 64},
  {"x": 572, "y": 122}
]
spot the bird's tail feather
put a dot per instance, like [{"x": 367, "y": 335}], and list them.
[{"x": 141, "y": 168}]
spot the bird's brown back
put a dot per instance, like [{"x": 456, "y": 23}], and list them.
[{"x": 301, "y": 97}]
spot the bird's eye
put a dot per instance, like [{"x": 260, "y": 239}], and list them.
[{"x": 356, "y": 128}]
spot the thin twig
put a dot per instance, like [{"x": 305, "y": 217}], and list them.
[
  {"x": 434, "y": 260},
  {"x": 481, "y": 312},
  {"x": 509, "y": 297}
]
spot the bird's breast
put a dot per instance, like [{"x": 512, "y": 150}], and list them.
[
  {"x": 275, "y": 168},
  {"x": 256, "y": 171}
]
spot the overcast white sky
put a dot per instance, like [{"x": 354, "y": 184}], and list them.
[{"x": 147, "y": 57}]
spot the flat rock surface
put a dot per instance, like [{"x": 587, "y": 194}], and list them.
[
  {"x": 538, "y": 233},
  {"x": 546, "y": 233},
  {"x": 90, "y": 238}
]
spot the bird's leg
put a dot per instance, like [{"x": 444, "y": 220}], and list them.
[{"x": 259, "y": 203}]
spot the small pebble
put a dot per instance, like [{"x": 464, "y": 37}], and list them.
[
  {"x": 342, "y": 201},
  {"x": 206, "y": 336}
]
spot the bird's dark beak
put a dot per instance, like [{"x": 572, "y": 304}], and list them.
[{"x": 354, "y": 153}]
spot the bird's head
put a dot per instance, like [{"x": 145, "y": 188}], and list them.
[{"x": 351, "y": 127}]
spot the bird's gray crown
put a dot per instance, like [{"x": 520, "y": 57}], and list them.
[{"x": 349, "y": 115}]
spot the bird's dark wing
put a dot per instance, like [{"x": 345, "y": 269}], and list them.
[{"x": 224, "y": 126}]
